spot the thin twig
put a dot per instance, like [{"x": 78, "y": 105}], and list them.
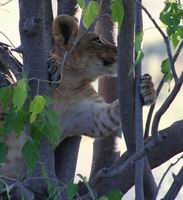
[
  {"x": 178, "y": 51},
  {"x": 166, "y": 172},
  {"x": 3, "y": 4},
  {"x": 10, "y": 42},
  {"x": 175, "y": 187},
  {"x": 166, "y": 105},
  {"x": 166, "y": 40},
  {"x": 149, "y": 117}
]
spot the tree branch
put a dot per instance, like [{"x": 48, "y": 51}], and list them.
[
  {"x": 166, "y": 172},
  {"x": 175, "y": 187},
  {"x": 170, "y": 146},
  {"x": 145, "y": 186},
  {"x": 166, "y": 105},
  {"x": 126, "y": 80},
  {"x": 139, "y": 140},
  {"x": 166, "y": 40},
  {"x": 149, "y": 117}
]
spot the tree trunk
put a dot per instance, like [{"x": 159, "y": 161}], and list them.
[
  {"x": 105, "y": 151},
  {"x": 35, "y": 48}
]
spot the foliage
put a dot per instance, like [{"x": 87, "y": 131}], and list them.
[
  {"x": 21, "y": 112},
  {"x": 91, "y": 11},
  {"x": 36, "y": 107},
  {"x": 30, "y": 152},
  {"x": 3, "y": 151},
  {"x": 171, "y": 16},
  {"x": 117, "y": 12},
  {"x": 138, "y": 49},
  {"x": 166, "y": 70},
  {"x": 114, "y": 194},
  {"x": 72, "y": 191}
]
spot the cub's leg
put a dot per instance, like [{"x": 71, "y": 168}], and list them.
[{"x": 106, "y": 120}]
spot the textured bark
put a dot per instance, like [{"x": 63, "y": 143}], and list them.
[
  {"x": 66, "y": 158},
  {"x": 126, "y": 80},
  {"x": 67, "y": 7},
  {"x": 35, "y": 47},
  {"x": 105, "y": 151},
  {"x": 169, "y": 147},
  {"x": 145, "y": 185}
]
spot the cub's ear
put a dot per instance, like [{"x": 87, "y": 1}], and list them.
[{"x": 65, "y": 30}]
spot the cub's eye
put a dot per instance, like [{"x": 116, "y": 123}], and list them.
[{"x": 97, "y": 39}]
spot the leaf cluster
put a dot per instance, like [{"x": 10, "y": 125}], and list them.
[
  {"x": 172, "y": 16},
  {"x": 35, "y": 114},
  {"x": 73, "y": 189},
  {"x": 91, "y": 11}
]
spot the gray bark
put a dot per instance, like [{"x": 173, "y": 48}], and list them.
[
  {"x": 67, "y": 7},
  {"x": 145, "y": 186},
  {"x": 126, "y": 80},
  {"x": 35, "y": 47},
  {"x": 105, "y": 151},
  {"x": 169, "y": 147}
]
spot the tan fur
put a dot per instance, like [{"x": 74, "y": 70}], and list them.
[{"x": 82, "y": 111}]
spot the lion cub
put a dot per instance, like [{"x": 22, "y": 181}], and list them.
[{"x": 78, "y": 58}]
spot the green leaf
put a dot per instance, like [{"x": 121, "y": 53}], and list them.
[
  {"x": 81, "y": 3},
  {"x": 2, "y": 128},
  {"x": 84, "y": 179},
  {"x": 19, "y": 94},
  {"x": 138, "y": 50},
  {"x": 30, "y": 152},
  {"x": 138, "y": 41},
  {"x": 16, "y": 121},
  {"x": 117, "y": 11},
  {"x": 115, "y": 194},
  {"x": 72, "y": 190},
  {"x": 171, "y": 16},
  {"x": 90, "y": 13},
  {"x": 166, "y": 70},
  {"x": 20, "y": 121},
  {"x": 177, "y": 37},
  {"x": 103, "y": 198},
  {"x": 36, "y": 107},
  {"x": 52, "y": 117},
  {"x": 51, "y": 132},
  {"x": 6, "y": 96},
  {"x": 140, "y": 56},
  {"x": 3, "y": 152},
  {"x": 35, "y": 132},
  {"x": 165, "y": 66}
]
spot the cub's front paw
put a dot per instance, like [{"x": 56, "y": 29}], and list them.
[
  {"x": 54, "y": 71},
  {"x": 147, "y": 90}
]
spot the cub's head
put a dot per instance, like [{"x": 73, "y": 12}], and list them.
[{"x": 88, "y": 55}]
